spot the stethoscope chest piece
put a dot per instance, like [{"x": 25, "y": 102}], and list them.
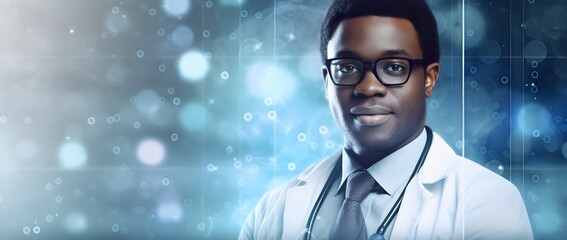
[{"x": 376, "y": 236}]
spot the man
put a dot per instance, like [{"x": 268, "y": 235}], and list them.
[{"x": 394, "y": 179}]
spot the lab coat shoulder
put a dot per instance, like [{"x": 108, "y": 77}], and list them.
[
  {"x": 266, "y": 218},
  {"x": 479, "y": 203},
  {"x": 490, "y": 205},
  {"x": 269, "y": 219}
]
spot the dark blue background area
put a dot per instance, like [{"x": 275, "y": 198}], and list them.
[{"x": 139, "y": 120}]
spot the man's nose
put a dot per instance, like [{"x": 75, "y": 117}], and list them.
[{"x": 370, "y": 86}]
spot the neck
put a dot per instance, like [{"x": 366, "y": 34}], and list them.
[{"x": 368, "y": 157}]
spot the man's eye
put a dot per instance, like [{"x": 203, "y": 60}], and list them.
[
  {"x": 347, "y": 68},
  {"x": 394, "y": 68}
]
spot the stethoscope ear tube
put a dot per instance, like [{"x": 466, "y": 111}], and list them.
[
  {"x": 320, "y": 198},
  {"x": 391, "y": 214}
]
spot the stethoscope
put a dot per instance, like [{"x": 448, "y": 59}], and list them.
[{"x": 335, "y": 173}]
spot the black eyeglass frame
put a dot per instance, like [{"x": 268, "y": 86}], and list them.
[{"x": 372, "y": 65}]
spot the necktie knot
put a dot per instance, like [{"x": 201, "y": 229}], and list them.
[{"x": 359, "y": 185}]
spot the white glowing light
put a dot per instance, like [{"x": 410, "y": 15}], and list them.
[
  {"x": 532, "y": 117},
  {"x": 151, "y": 152},
  {"x": 266, "y": 80},
  {"x": 72, "y": 155},
  {"x": 176, "y": 7},
  {"x": 169, "y": 212},
  {"x": 193, "y": 66}
]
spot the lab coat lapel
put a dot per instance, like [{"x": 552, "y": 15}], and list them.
[
  {"x": 414, "y": 203},
  {"x": 301, "y": 198},
  {"x": 417, "y": 199}
]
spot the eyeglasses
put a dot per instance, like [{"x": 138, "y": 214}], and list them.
[{"x": 389, "y": 71}]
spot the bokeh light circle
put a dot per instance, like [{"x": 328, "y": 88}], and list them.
[
  {"x": 174, "y": 137},
  {"x": 160, "y": 32},
  {"x": 301, "y": 137},
  {"x": 176, "y": 101},
  {"x": 490, "y": 51},
  {"x": 248, "y": 117},
  {"x": 291, "y": 167},
  {"x": 193, "y": 117},
  {"x": 169, "y": 211},
  {"x": 147, "y": 101},
  {"x": 182, "y": 37},
  {"x": 193, "y": 66},
  {"x": 162, "y": 68},
  {"x": 201, "y": 227},
  {"x": 91, "y": 120},
  {"x": 72, "y": 155},
  {"x": 272, "y": 115},
  {"x": 116, "y": 150},
  {"x": 564, "y": 150},
  {"x": 224, "y": 75},
  {"x": 553, "y": 22},
  {"x": 115, "y": 227},
  {"x": 150, "y": 152},
  {"x": 176, "y": 7},
  {"x": 76, "y": 222},
  {"x": 165, "y": 181},
  {"x": 535, "y": 50}
]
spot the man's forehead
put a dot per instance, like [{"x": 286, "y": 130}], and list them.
[{"x": 372, "y": 35}]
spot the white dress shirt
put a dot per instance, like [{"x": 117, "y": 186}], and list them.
[{"x": 392, "y": 173}]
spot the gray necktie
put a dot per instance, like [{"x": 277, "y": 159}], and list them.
[{"x": 350, "y": 222}]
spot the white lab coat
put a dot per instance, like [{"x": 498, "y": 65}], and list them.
[{"x": 450, "y": 198}]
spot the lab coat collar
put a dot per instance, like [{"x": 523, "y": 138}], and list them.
[
  {"x": 439, "y": 163},
  {"x": 301, "y": 198}
]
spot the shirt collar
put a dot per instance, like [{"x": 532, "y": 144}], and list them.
[{"x": 393, "y": 170}]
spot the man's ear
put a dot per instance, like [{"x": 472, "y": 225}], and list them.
[
  {"x": 431, "y": 75},
  {"x": 325, "y": 81}
]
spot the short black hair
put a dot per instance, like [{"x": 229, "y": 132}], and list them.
[{"x": 416, "y": 11}]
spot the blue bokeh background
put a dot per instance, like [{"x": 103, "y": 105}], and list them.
[{"x": 169, "y": 119}]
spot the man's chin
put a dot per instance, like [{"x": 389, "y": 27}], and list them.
[{"x": 372, "y": 144}]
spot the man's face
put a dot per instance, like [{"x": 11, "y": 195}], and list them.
[{"x": 377, "y": 120}]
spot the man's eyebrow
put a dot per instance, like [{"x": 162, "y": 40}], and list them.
[
  {"x": 394, "y": 52},
  {"x": 346, "y": 53},
  {"x": 390, "y": 52}
]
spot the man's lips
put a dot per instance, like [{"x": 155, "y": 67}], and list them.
[
  {"x": 371, "y": 110},
  {"x": 370, "y": 116}
]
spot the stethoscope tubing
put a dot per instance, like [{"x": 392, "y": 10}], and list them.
[{"x": 393, "y": 211}]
